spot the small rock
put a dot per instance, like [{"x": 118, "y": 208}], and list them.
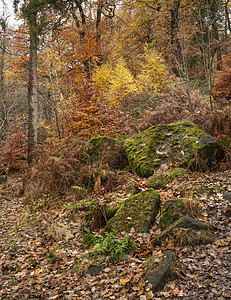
[
  {"x": 166, "y": 271},
  {"x": 227, "y": 196},
  {"x": 94, "y": 270},
  {"x": 3, "y": 178}
]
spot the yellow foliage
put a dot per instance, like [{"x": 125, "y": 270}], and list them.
[
  {"x": 153, "y": 76},
  {"x": 117, "y": 81},
  {"x": 122, "y": 81},
  {"x": 102, "y": 76}
]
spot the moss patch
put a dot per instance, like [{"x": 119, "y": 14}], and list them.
[
  {"x": 137, "y": 211},
  {"x": 178, "y": 141},
  {"x": 98, "y": 145},
  {"x": 173, "y": 210},
  {"x": 107, "y": 152},
  {"x": 161, "y": 179}
]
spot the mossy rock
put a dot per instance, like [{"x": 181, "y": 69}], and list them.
[
  {"x": 172, "y": 211},
  {"x": 197, "y": 189},
  {"x": 99, "y": 144},
  {"x": 138, "y": 212},
  {"x": 195, "y": 232},
  {"x": 167, "y": 270},
  {"x": 175, "y": 209},
  {"x": 183, "y": 142},
  {"x": 3, "y": 179},
  {"x": 108, "y": 151},
  {"x": 161, "y": 179}
]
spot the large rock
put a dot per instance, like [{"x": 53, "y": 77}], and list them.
[
  {"x": 172, "y": 211},
  {"x": 138, "y": 212},
  {"x": 182, "y": 142},
  {"x": 104, "y": 151},
  {"x": 166, "y": 271}
]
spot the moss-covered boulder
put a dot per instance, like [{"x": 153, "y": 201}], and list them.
[
  {"x": 3, "y": 178},
  {"x": 172, "y": 211},
  {"x": 138, "y": 212},
  {"x": 166, "y": 271},
  {"x": 186, "y": 231},
  {"x": 175, "y": 209},
  {"x": 105, "y": 150},
  {"x": 161, "y": 179},
  {"x": 183, "y": 142}
]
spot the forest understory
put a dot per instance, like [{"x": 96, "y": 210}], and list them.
[
  {"x": 35, "y": 265},
  {"x": 98, "y": 100}
]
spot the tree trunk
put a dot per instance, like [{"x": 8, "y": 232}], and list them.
[
  {"x": 4, "y": 111},
  {"x": 32, "y": 94}
]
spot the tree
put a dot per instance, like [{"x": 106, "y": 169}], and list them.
[
  {"x": 35, "y": 14},
  {"x": 32, "y": 84},
  {"x": 4, "y": 110}
]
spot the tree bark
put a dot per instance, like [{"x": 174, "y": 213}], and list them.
[
  {"x": 3, "y": 113},
  {"x": 32, "y": 94}
]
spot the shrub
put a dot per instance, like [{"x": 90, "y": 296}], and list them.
[
  {"x": 173, "y": 106},
  {"x": 13, "y": 151}
]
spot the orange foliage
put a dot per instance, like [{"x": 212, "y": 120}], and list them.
[
  {"x": 13, "y": 151},
  {"x": 222, "y": 87}
]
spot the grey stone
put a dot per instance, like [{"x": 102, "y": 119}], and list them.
[
  {"x": 183, "y": 142},
  {"x": 94, "y": 270},
  {"x": 166, "y": 271},
  {"x": 227, "y": 196},
  {"x": 3, "y": 178}
]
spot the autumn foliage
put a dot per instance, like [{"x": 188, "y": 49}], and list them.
[
  {"x": 97, "y": 73},
  {"x": 13, "y": 151},
  {"x": 221, "y": 89}
]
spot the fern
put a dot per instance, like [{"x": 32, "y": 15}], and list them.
[{"x": 109, "y": 245}]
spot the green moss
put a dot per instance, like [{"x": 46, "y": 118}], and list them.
[
  {"x": 151, "y": 148},
  {"x": 180, "y": 141},
  {"x": 137, "y": 211},
  {"x": 161, "y": 179},
  {"x": 172, "y": 211},
  {"x": 98, "y": 144},
  {"x": 110, "y": 212}
]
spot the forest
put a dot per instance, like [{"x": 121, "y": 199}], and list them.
[{"x": 115, "y": 149}]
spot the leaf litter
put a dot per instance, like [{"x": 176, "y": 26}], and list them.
[{"x": 36, "y": 265}]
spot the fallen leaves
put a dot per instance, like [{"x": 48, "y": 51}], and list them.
[{"x": 37, "y": 266}]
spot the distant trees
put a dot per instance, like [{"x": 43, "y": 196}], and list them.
[{"x": 82, "y": 59}]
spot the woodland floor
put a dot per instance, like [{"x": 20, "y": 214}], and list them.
[{"x": 36, "y": 266}]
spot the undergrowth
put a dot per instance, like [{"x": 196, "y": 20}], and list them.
[
  {"x": 110, "y": 245},
  {"x": 65, "y": 171}
]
